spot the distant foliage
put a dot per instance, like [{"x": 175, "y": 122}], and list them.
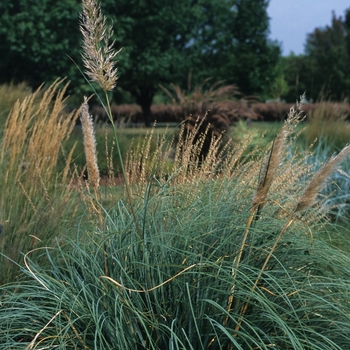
[
  {"x": 161, "y": 41},
  {"x": 204, "y": 112},
  {"x": 329, "y": 53},
  {"x": 35, "y": 38},
  {"x": 323, "y": 70}
]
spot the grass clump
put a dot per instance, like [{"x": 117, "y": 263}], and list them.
[
  {"x": 219, "y": 260},
  {"x": 328, "y": 131},
  {"x": 201, "y": 253},
  {"x": 35, "y": 197},
  {"x": 9, "y": 94},
  {"x": 329, "y": 124},
  {"x": 171, "y": 289}
]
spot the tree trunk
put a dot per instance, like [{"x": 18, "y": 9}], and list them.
[{"x": 144, "y": 98}]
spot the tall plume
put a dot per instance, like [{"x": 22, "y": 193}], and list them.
[
  {"x": 98, "y": 54},
  {"x": 270, "y": 169},
  {"x": 318, "y": 180},
  {"x": 89, "y": 145}
]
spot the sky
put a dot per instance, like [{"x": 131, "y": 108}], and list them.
[{"x": 292, "y": 20}]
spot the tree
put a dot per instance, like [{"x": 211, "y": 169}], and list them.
[
  {"x": 328, "y": 51},
  {"x": 35, "y": 38},
  {"x": 154, "y": 36},
  {"x": 323, "y": 71},
  {"x": 297, "y": 74},
  {"x": 162, "y": 41},
  {"x": 253, "y": 56}
]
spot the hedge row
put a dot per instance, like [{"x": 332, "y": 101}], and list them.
[{"x": 232, "y": 110}]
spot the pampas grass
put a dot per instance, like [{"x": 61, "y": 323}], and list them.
[{"x": 307, "y": 200}]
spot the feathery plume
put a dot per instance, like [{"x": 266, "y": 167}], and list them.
[
  {"x": 319, "y": 179},
  {"x": 89, "y": 145},
  {"x": 98, "y": 54},
  {"x": 270, "y": 169},
  {"x": 273, "y": 162}
]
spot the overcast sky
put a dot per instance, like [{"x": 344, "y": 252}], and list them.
[{"x": 291, "y": 20}]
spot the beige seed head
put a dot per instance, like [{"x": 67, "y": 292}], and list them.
[
  {"x": 98, "y": 54},
  {"x": 89, "y": 145},
  {"x": 319, "y": 179},
  {"x": 270, "y": 169},
  {"x": 271, "y": 166}
]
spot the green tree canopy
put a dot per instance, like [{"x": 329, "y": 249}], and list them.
[
  {"x": 250, "y": 57},
  {"x": 295, "y": 69},
  {"x": 154, "y": 36},
  {"x": 324, "y": 70},
  {"x": 328, "y": 51},
  {"x": 35, "y": 38},
  {"x": 162, "y": 41}
]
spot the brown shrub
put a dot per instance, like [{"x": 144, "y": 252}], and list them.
[
  {"x": 233, "y": 110},
  {"x": 132, "y": 113},
  {"x": 272, "y": 111},
  {"x": 277, "y": 111}
]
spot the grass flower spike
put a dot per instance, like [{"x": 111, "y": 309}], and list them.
[
  {"x": 89, "y": 145},
  {"x": 270, "y": 169},
  {"x": 319, "y": 179},
  {"x": 98, "y": 54}
]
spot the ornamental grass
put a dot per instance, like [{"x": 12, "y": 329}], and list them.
[
  {"x": 222, "y": 252},
  {"x": 36, "y": 175},
  {"x": 223, "y": 257}
]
